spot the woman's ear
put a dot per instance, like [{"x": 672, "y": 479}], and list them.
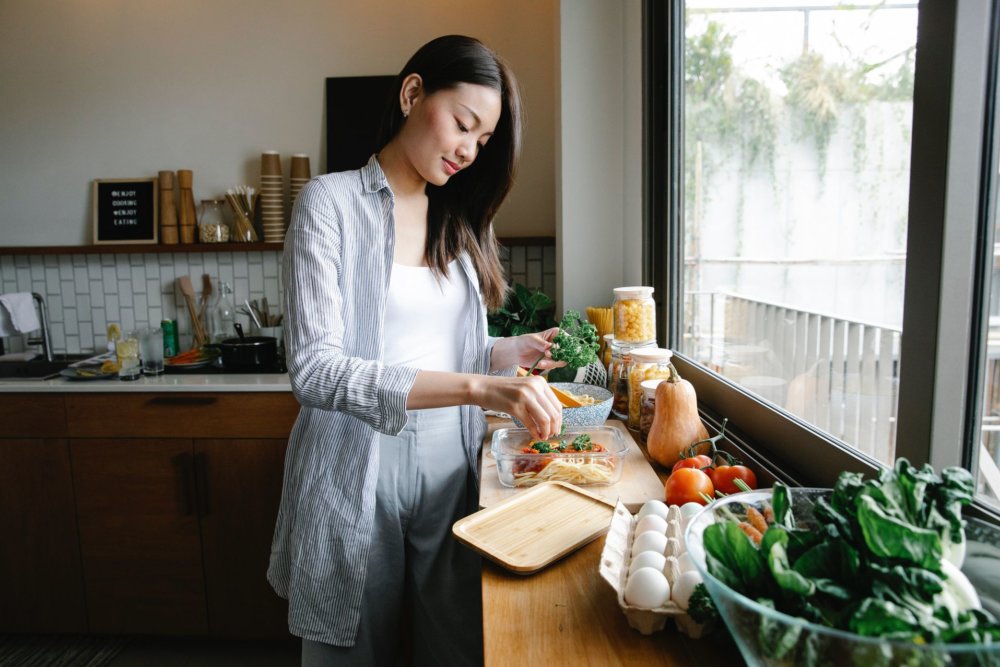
[{"x": 410, "y": 92}]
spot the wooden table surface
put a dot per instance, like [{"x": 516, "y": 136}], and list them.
[{"x": 566, "y": 614}]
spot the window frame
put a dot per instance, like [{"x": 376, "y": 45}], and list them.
[{"x": 949, "y": 234}]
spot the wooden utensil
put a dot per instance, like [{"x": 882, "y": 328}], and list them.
[
  {"x": 564, "y": 398},
  {"x": 187, "y": 289}
]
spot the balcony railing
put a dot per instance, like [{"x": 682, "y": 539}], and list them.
[{"x": 839, "y": 375}]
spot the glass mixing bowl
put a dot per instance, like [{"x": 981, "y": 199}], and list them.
[{"x": 758, "y": 630}]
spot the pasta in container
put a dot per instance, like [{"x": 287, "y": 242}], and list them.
[{"x": 584, "y": 456}]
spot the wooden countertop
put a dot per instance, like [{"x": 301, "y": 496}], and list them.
[{"x": 565, "y": 614}]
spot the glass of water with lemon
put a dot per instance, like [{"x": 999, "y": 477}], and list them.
[{"x": 127, "y": 351}]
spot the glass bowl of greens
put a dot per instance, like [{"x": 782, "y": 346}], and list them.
[{"x": 872, "y": 572}]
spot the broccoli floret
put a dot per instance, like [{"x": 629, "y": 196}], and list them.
[
  {"x": 583, "y": 443},
  {"x": 542, "y": 447},
  {"x": 701, "y": 608}
]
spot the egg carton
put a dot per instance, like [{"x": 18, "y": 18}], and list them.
[{"x": 615, "y": 559}]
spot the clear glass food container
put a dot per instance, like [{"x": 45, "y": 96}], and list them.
[
  {"x": 212, "y": 225},
  {"x": 648, "y": 363},
  {"x": 621, "y": 358},
  {"x": 634, "y": 315},
  {"x": 518, "y": 468},
  {"x": 647, "y": 411}
]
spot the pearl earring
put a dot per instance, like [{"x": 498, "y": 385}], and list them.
[{"x": 406, "y": 114}]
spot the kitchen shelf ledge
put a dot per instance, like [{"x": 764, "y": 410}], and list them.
[{"x": 138, "y": 248}]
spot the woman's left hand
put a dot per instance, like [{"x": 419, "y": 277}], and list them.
[{"x": 525, "y": 350}]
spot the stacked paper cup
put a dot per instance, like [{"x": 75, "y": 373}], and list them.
[
  {"x": 299, "y": 176},
  {"x": 271, "y": 203}
]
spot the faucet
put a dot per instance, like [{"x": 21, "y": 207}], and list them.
[{"x": 45, "y": 341}]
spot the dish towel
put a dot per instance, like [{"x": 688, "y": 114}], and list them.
[{"x": 18, "y": 314}]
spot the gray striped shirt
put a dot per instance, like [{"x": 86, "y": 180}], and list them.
[{"x": 337, "y": 261}]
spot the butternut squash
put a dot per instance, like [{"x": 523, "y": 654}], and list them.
[{"x": 676, "y": 423}]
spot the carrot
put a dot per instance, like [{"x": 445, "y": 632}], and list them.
[
  {"x": 769, "y": 514},
  {"x": 756, "y": 519},
  {"x": 751, "y": 532}
]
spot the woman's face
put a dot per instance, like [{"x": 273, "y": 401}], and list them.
[{"x": 445, "y": 130}]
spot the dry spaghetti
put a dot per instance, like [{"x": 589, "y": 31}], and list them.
[{"x": 583, "y": 470}]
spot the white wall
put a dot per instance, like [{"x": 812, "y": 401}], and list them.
[
  {"x": 119, "y": 88},
  {"x": 598, "y": 168}
]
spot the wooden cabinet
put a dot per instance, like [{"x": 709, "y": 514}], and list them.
[
  {"x": 142, "y": 513},
  {"x": 239, "y": 483},
  {"x": 41, "y": 582},
  {"x": 139, "y": 536}
]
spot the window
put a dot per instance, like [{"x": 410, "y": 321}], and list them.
[{"x": 815, "y": 188}]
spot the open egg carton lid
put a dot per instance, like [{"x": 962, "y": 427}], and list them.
[{"x": 614, "y": 563}]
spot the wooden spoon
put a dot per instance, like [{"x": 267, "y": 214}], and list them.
[{"x": 567, "y": 400}]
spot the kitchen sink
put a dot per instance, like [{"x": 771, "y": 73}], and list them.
[{"x": 38, "y": 368}]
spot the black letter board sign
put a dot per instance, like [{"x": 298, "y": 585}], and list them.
[{"x": 125, "y": 210}]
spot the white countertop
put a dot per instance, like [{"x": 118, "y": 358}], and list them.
[{"x": 235, "y": 382}]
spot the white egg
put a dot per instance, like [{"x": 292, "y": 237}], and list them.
[
  {"x": 684, "y": 562},
  {"x": 647, "y": 559},
  {"x": 683, "y": 587},
  {"x": 647, "y": 588},
  {"x": 649, "y": 541},
  {"x": 656, "y": 507},
  {"x": 688, "y": 510},
  {"x": 651, "y": 522}
]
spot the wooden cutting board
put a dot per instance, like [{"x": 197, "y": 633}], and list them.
[
  {"x": 541, "y": 524},
  {"x": 638, "y": 483}
]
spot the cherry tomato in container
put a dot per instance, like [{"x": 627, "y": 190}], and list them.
[
  {"x": 724, "y": 478},
  {"x": 700, "y": 461},
  {"x": 688, "y": 485}
]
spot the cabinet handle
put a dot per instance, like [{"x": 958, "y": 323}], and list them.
[
  {"x": 185, "y": 483},
  {"x": 182, "y": 400},
  {"x": 201, "y": 478}
]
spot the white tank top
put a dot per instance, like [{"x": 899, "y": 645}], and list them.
[{"x": 424, "y": 318}]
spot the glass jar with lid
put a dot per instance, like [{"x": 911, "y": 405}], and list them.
[
  {"x": 212, "y": 225},
  {"x": 621, "y": 358},
  {"x": 648, "y": 408},
  {"x": 634, "y": 315},
  {"x": 648, "y": 363}
]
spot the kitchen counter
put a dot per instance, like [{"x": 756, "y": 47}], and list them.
[
  {"x": 567, "y": 614},
  {"x": 166, "y": 383}
]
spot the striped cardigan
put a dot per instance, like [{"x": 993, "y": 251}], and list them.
[{"x": 337, "y": 259}]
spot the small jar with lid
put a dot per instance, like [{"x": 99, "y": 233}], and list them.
[
  {"x": 648, "y": 363},
  {"x": 621, "y": 358},
  {"x": 648, "y": 408},
  {"x": 212, "y": 225},
  {"x": 634, "y": 315}
]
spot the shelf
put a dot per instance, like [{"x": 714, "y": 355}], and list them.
[{"x": 138, "y": 248}]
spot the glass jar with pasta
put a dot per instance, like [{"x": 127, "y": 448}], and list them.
[
  {"x": 648, "y": 363},
  {"x": 621, "y": 359},
  {"x": 634, "y": 315}
]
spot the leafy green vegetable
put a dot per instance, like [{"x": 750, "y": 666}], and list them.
[
  {"x": 878, "y": 561},
  {"x": 583, "y": 443},
  {"x": 575, "y": 343},
  {"x": 542, "y": 447},
  {"x": 701, "y": 609}
]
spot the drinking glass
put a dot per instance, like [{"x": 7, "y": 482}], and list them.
[
  {"x": 151, "y": 350},
  {"x": 127, "y": 350}
]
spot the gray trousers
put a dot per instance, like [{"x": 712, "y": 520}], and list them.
[{"x": 417, "y": 572}]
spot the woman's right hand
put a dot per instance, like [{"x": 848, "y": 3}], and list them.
[{"x": 527, "y": 398}]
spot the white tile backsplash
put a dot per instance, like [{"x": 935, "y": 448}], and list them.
[{"x": 84, "y": 292}]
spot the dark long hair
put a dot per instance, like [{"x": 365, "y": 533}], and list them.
[{"x": 460, "y": 213}]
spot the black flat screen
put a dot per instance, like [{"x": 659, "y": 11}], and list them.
[{"x": 354, "y": 108}]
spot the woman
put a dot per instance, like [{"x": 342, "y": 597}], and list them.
[{"x": 388, "y": 273}]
